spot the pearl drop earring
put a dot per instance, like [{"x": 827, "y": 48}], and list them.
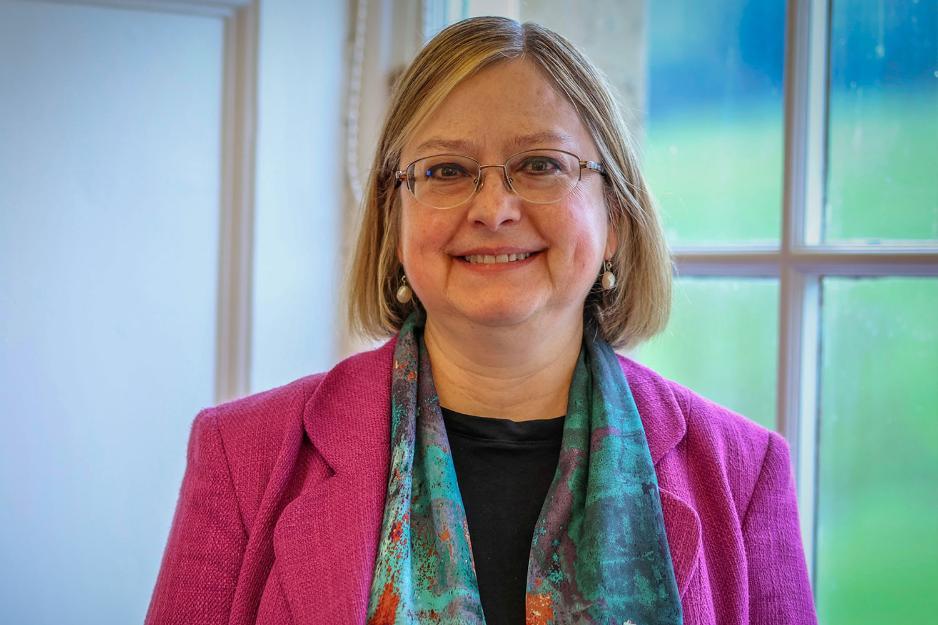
[
  {"x": 609, "y": 278},
  {"x": 404, "y": 293}
]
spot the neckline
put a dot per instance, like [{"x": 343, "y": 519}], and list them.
[{"x": 502, "y": 430}]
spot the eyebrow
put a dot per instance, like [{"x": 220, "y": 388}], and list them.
[
  {"x": 541, "y": 139},
  {"x": 516, "y": 143}
]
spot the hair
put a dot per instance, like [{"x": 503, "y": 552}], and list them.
[{"x": 637, "y": 307}]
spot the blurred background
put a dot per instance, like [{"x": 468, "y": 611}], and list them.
[{"x": 179, "y": 182}]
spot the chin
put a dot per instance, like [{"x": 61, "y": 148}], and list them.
[{"x": 500, "y": 313}]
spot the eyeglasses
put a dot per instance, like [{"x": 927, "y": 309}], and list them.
[{"x": 536, "y": 176}]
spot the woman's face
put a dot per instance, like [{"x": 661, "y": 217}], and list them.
[{"x": 499, "y": 112}]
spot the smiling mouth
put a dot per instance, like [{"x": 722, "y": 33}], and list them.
[{"x": 490, "y": 259}]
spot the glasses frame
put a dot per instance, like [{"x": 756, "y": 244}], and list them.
[{"x": 402, "y": 176}]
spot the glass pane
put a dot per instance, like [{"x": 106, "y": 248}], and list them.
[
  {"x": 714, "y": 128},
  {"x": 721, "y": 342},
  {"x": 877, "y": 544},
  {"x": 883, "y": 135}
]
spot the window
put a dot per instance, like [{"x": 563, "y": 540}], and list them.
[{"x": 792, "y": 148}]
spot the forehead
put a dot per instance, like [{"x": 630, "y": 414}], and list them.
[{"x": 505, "y": 108}]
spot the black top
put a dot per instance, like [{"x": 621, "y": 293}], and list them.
[{"x": 504, "y": 469}]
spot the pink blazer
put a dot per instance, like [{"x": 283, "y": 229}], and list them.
[{"x": 283, "y": 496}]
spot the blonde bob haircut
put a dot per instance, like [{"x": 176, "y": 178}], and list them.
[{"x": 637, "y": 307}]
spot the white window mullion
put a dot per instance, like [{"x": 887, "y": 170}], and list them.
[
  {"x": 806, "y": 86},
  {"x": 798, "y": 393},
  {"x": 235, "y": 288}
]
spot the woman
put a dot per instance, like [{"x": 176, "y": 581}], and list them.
[{"x": 495, "y": 462}]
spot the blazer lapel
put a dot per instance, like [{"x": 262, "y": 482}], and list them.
[
  {"x": 326, "y": 539},
  {"x": 665, "y": 426},
  {"x": 682, "y": 526}
]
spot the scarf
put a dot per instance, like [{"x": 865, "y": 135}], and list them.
[{"x": 599, "y": 554}]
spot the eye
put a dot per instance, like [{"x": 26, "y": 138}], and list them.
[
  {"x": 540, "y": 166},
  {"x": 445, "y": 171}
]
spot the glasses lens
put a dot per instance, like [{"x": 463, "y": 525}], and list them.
[
  {"x": 543, "y": 176},
  {"x": 443, "y": 181}
]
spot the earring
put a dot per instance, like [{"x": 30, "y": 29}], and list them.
[
  {"x": 609, "y": 278},
  {"x": 404, "y": 294}
]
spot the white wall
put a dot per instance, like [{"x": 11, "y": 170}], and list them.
[{"x": 109, "y": 182}]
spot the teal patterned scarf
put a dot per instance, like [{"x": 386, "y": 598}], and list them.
[{"x": 599, "y": 554}]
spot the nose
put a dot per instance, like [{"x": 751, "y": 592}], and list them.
[{"x": 494, "y": 205}]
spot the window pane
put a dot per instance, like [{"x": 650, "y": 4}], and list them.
[
  {"x": 714, "y": 138},
  {"x": 878, "y": 483},
  {"x": 721, "y": 342},
  {"x": 883, "y": 135}
]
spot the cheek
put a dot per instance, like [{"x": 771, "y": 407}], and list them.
[
  {"x": 422, "y": 238},
  {"x": 413, "y": 233},
  {"x": 585, "y": 227}
]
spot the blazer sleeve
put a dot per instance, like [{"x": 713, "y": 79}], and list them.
[
  {"x": 779, "y": 590},
  {"x": 200, "y": 567}
]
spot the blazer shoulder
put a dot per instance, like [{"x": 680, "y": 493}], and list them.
[
  {"x": 647, "y": 385},
  {"x": 266, "y": 413},
  {"x": 722, "y": 423},
  {"x": 254, "y": 427},
  {"x": 716, "y": 438},
  {"x": 699, "y": 412},
  {"x": 262, "y": 436}
]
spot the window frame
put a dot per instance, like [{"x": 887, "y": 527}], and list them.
[{"x": 802, "y": 260}]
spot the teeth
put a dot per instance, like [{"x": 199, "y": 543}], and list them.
[{"x": 489, "y": 259}]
